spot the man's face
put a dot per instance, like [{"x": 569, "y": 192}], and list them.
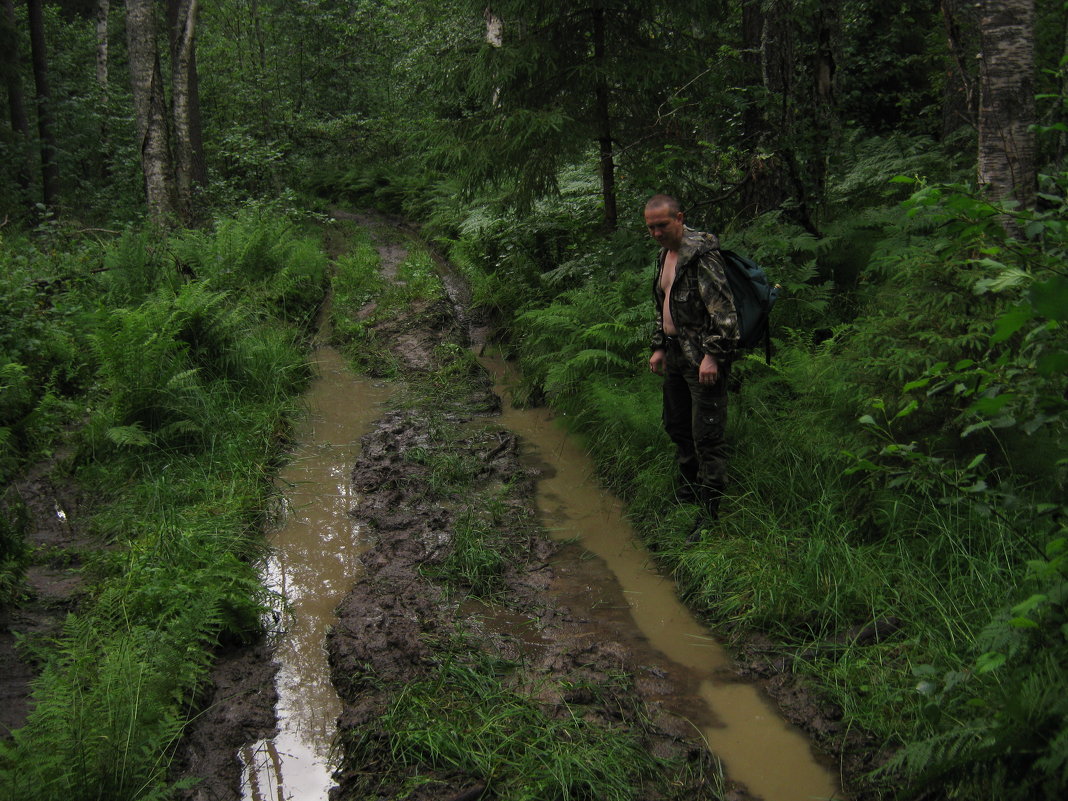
[{"x": 664, "y": 227}]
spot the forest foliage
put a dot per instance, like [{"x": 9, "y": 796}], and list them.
[{"x": 902, "y": 458}]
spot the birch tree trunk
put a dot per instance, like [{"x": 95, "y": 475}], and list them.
[
  {"x": 149, "y": 109},
  {"x": 1007, "y": 100},
  {"x": 185, "y": 104},
  {"x": 45, "y": 128}
]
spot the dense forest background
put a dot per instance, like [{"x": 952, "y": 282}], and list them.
[{"x": 898, "y": 167}]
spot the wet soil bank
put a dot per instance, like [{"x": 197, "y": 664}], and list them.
[{"x": 48, "y": 510}]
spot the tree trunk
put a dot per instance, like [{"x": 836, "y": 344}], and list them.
[
  {"x": 45, "y": 128},
  {"x": 1007, "y": 100},
  {"x": 778, "y": 59},
  {"x": 762, "y": 187},
  {"x": 495, "y": 38},
  {"x": 103, "y": 8},
  {"x": 958, "y": 94},
  {"x": 149, "y": 109},
  {"x": 604, "y": 122},
  {"x": 185, "y": 102},
  {"x": 20, "y": 124}
]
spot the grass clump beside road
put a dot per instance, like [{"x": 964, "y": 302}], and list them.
[
  {"x": 370, "y": 312},
  {"x": 477, "y": 716}
]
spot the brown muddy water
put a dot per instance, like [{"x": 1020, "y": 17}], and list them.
[
  {"x": 312, "y": 566},
  {"x": 314, "y": 563},
  {"x": 741, "y": 727}
]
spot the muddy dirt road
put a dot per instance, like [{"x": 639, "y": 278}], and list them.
[
  {"x": 558, "y": 610},
  {"x": 535, "y": 629}
]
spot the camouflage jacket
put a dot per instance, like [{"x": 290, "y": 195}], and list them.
[{"x": 702, "y": 305}]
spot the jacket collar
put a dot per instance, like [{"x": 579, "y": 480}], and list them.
[{"x": 694, "y": 243}]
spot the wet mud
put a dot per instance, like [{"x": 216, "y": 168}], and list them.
[
  {"x": 390, "y": 624},
  {"x": 48, "y": 509}
]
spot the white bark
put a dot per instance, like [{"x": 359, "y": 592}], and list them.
[
  {"x": 182, "y": 38},
  {"x": 1007, "y": 100},
  {"x": 149, "y": 110}
]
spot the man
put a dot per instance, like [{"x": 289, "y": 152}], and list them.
[{"x": 696, "y": 334}]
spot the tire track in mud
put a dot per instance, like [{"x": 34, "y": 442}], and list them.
[{"x": 395, "y": 626}]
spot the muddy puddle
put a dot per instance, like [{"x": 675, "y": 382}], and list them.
[
  {"x": 609, "y": 571},
  {"x": 314, "y": 562},
  {"x": 602, "y": 574}
]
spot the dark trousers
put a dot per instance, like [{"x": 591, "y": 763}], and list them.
[{"x": 695, "y": 417}]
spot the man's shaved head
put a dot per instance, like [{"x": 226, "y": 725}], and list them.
[{"x": 665, "y": 202}]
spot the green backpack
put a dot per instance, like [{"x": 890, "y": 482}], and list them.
[{"x": 754, "y": 296}]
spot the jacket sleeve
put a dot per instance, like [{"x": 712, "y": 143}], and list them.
[{"x": 719, "y": 336}]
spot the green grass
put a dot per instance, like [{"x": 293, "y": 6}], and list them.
[{"x": 477, "y": 716}]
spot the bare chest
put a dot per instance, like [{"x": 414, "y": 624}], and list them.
[{"x": 667, "y": 273}]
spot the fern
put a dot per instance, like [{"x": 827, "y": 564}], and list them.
[
  {"x": 564, "y": 377},
  {"x": 594, "y": 329},
  {"x": 129, "y": 436}
]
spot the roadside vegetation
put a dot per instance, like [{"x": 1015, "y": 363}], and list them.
[
  {"x": 900, "y": 468},
  {"x": 162, "y": 372}
]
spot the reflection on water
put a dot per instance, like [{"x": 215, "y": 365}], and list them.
[
  {"x": 756, "y": 746},
  {"x": 313, "y": 564}
]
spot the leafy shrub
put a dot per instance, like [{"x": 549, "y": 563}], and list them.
[
  {"x": 791, "y": 258},
  {"x": 137, "y": 264},
  {"x": 999, "y": 722},
  {"x": 13, "y": 550},
  {"x": 106, "y": 710},
  {"x": 44, "y": 298}
]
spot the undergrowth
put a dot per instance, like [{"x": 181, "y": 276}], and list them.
[
  {"x": 899, "y": 464},
  {"x": 189, "y": 355}
]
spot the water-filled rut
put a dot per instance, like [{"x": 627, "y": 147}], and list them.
[
  {"x": 314, "y": 557},
  {"x": 741, "y": 727},
  {"x": 611, "y": 604}
]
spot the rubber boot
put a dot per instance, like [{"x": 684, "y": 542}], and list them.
[
  {"x": 685, "y": 492},
  {"x": 707, "y": 518}
]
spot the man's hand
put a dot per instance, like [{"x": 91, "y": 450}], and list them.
[
  {"x": 708, "y": 372},
  {"x": 657, "y": 360}
]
